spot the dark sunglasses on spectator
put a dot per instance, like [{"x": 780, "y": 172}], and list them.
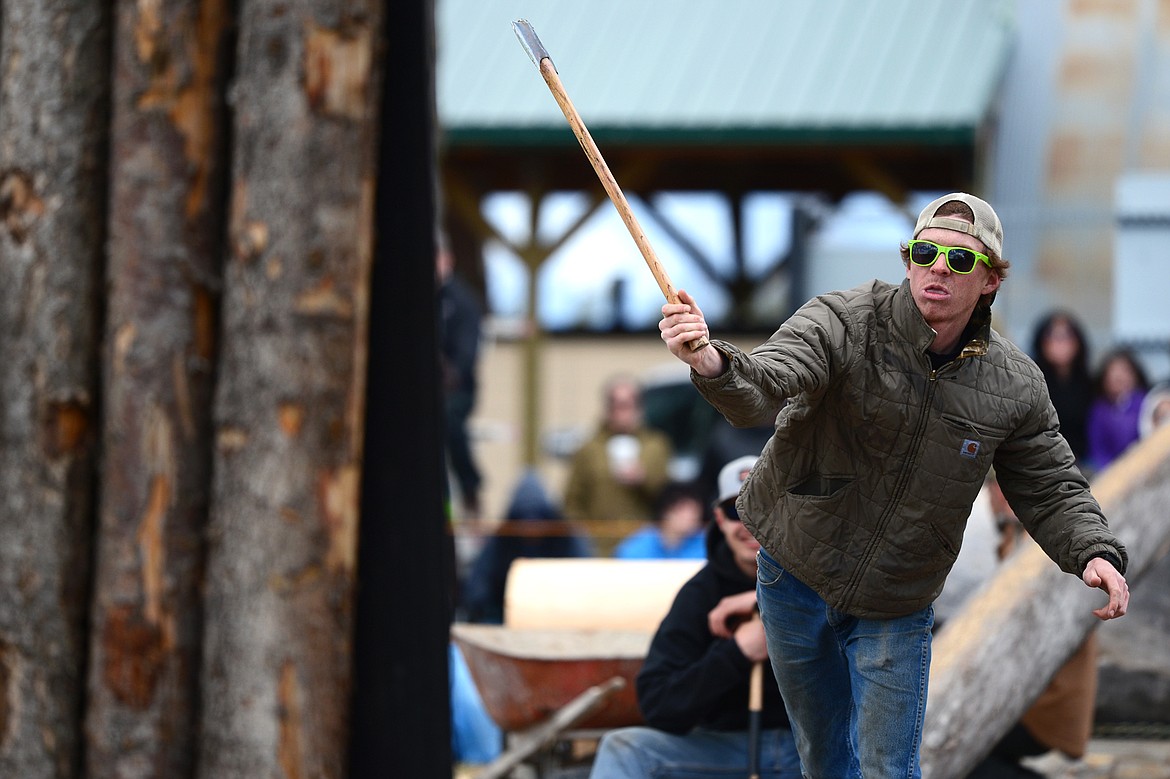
[
  {"x": 729, "y": 509},
  {"x": 959, "y": 260}
]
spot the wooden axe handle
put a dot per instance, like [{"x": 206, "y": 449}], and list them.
[
  {"x": 756, "y": 688},
  {"x": 755, "y": 709},
  {"x": 548, "y": 71}
]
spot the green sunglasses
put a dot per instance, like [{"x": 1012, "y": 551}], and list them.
[{"x": 959, "y": 260}]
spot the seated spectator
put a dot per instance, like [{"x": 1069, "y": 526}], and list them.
[
  {"x": 678, "y": 532},
  {"x": 619, "y": 472},
  {"x": 693, "y": 688},
  {"x": 522, "y": 534},
  {"x": 1113, "y": 418},
  {"x": 1061, "y": 719}
]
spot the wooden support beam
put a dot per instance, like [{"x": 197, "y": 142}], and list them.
[
  {"x": 465, "y": 201},
  {"x": 999, "y": 652},
  {"x": 870, "y": 173}
]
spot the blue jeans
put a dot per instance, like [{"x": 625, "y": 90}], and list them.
[
  {"x": 855, "y": 689},
  {"x": 646, "y": 753}
]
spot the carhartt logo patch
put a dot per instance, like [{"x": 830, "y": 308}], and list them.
[{"x": 969, "y": 448}]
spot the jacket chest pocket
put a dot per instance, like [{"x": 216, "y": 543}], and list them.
[{"x": 968, "y": 447}]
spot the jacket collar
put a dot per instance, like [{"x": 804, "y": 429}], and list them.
[
  {"x": 908, "y": 321},
  {"x": 980, "y": 333},
  {"x": 909, "y": 324}
]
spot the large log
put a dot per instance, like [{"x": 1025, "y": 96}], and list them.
[
  {"x": 999, "y": 652},
  {"x": 289, "y": 400},
  {"x": 54, "y": 86},
  {"x": 163, "y": 281}
]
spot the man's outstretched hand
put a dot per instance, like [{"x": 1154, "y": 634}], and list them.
[{"x": 1101, "y": 574}]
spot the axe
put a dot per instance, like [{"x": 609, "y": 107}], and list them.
[{"x": 539, "y": 56}]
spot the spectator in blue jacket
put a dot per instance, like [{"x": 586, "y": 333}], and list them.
[{"x": 677, "y": 531}]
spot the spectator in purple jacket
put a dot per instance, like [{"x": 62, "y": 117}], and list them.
[{"x": 1113, "y": 418}]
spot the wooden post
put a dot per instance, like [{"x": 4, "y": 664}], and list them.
[
  {"x": 998, "y": 653},
  {"x": 534, "y": 255}
]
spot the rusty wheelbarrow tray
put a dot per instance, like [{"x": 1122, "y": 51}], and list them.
[{"x": 526, "y": 675}]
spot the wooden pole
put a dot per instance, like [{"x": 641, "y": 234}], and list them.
[{"x": 995, "y": 657}]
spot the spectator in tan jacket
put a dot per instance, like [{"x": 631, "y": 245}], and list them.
[{"x": 619, "y": 472}]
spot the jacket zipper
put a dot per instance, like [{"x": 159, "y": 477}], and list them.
[{"x": 899, "y": 490}]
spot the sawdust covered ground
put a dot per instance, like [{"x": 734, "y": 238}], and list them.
[{"x": 1105, "y": 759}]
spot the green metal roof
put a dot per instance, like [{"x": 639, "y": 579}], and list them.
[{"x": 732, "y": 71}]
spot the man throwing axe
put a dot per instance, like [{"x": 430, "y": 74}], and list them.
[{"x": 894, "y": 401}]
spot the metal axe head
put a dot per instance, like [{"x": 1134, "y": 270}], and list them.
[{"x": 531, "y": 43}]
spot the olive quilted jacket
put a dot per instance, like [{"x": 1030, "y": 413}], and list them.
[{"x": 864, "y": 490}]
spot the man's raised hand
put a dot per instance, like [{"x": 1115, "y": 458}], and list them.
[{"x": 683, "y": 323}]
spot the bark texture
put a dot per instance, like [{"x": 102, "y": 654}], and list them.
[
  {"x": 53, "y": 133},
  {"x": 289, "y": 395},
  {"x": 165, "y": 249},
  {"x": 995, "y": 657}
]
